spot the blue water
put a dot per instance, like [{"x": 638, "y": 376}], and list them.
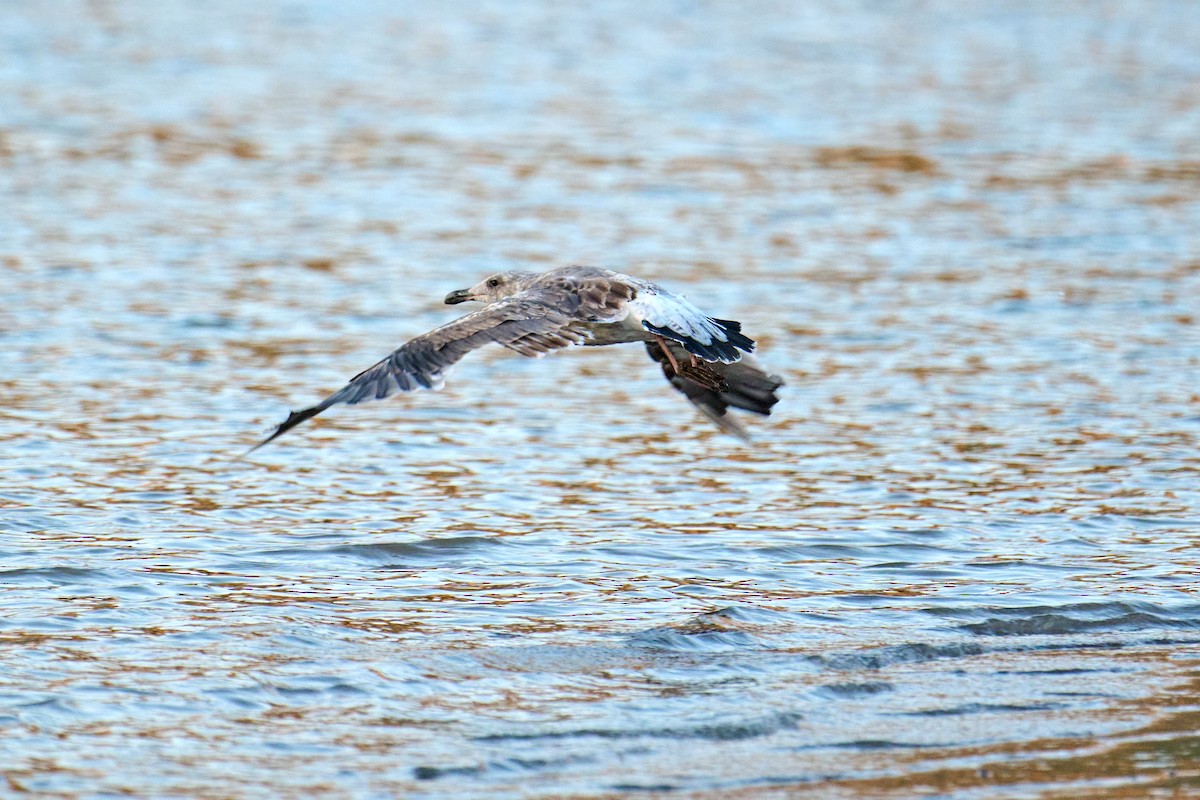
[{"x": 958, "y": 560}]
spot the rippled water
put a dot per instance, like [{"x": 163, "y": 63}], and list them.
[{"x": 959, "y": 560}]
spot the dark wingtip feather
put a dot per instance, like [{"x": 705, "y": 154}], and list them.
[
  {"x": 726, "y": 351},
  {"x": 733, "y": 330},
  {"x": 294, "y": 419},
  {"x": 713, "y": 352}
]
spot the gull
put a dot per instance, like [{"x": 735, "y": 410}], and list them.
[{"x": 535, "y": 313}]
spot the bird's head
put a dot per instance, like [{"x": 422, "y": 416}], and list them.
[{"x": 493, "y": 288}]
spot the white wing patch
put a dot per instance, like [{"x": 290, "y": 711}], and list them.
[
  {"x": 664, "y": 310},
  {"x": 670, "y": 317}
]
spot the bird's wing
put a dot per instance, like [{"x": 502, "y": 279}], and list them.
[
  {"x": 714, "y": 340},
  {"x": 742, "y": 385},
  {"x": 532, "y": 322}
]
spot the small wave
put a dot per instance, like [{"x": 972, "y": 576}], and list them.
[
  {"x": 872, "y": 744},
  {"x": 1058, "y": 624},
  {"x": 58, "y": 575},
  {"x": 714, "y": 630},
  {"x": 811, "y": 552},
  {"x": 393, "y": 552},
  {"x": 854, "y": 691},
  {"x": 983, "y": 708},
  {"x": 693, "y": 641},
  {"x": 431, "y": 773},
  {"x": 1074, "y": 619},
  {"x": 896, "y": 654},
  {"x": 734, "y": 730}
]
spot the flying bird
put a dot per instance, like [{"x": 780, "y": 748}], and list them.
[{"x": 537, "y": 313}]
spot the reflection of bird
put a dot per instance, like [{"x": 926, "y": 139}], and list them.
[{"x": 535, "y": 313}]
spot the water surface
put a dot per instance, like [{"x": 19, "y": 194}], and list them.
[{"x": 959, "y": 561}]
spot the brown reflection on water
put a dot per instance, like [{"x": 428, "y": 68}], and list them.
[
  {"x": 978, "y": 278},
  {"x": 1159, "y": 759}
]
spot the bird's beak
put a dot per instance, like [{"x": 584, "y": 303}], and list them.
[{"x": 458, "y": 296}]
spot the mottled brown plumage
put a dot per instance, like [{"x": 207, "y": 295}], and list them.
[{"x": 534, "y": 314}]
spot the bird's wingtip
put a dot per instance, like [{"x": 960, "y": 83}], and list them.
[
  {"x": 294, "y": 419},
  {"x": 267, "y": 440}
]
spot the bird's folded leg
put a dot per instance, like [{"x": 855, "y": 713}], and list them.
[{"x": 662, "y": 343}]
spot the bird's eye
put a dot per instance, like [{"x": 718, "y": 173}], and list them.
[{"x": 493, "y": 282}]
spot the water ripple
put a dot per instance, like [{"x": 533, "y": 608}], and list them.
[{"x": 958, "y": 559}]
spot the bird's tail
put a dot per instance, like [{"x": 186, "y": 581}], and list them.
[{"x": 743, "y": 385}]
